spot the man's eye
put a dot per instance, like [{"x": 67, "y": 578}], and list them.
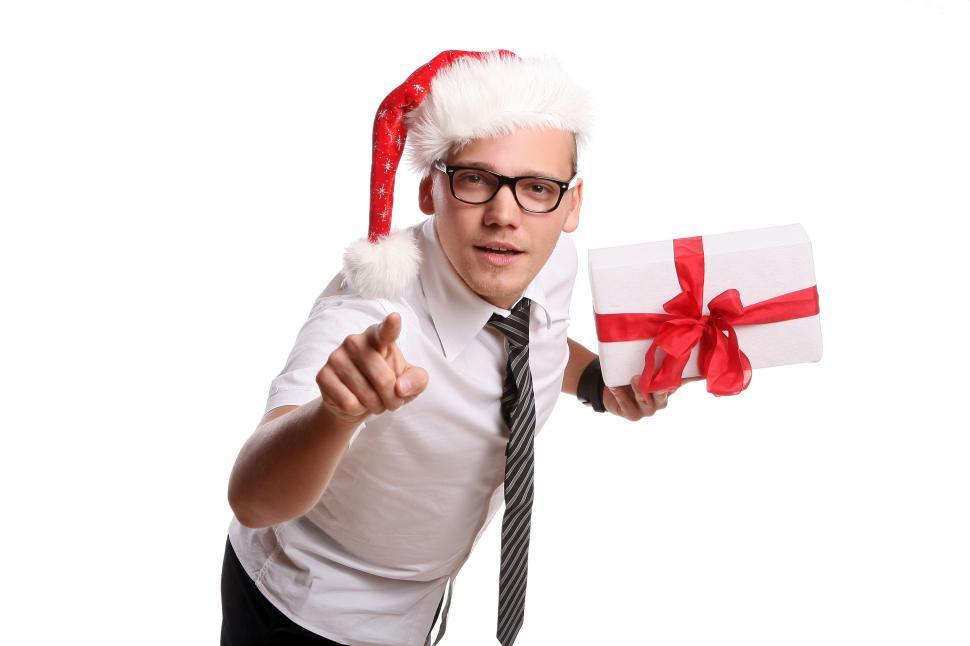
[{"x": 539, "y": 188}]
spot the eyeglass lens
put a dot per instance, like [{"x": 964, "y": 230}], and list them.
[{"x": 534, "y": 193}]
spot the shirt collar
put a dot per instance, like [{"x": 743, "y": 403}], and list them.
[{"x": 458, "y": 313}]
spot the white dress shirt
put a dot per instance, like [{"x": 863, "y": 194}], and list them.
[{"x": 369, "y": 563}]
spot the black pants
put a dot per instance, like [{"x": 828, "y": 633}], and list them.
[{"x": 249, "y": 619}]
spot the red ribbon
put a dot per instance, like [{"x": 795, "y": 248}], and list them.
[{"x": 720, "y": 360}]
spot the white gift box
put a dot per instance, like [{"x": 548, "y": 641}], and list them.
[{"x": 759, "y": 263}]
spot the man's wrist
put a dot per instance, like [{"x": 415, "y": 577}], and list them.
[{"x": 589, "y": 390}]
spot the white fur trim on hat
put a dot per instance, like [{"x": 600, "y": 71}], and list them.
[{"x": 478, "y": 98}]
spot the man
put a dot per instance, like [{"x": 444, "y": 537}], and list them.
[{"x": 401, "y": 422}]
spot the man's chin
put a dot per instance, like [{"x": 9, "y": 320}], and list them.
[{"x": 497, "y": 285}]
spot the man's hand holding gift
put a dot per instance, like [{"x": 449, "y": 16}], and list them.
[{"x": 628, "y": 402}]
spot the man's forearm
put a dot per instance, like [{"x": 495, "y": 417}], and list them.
[
  {"x": 579, "y": 358},
  {"x": 287, "y": 463}
]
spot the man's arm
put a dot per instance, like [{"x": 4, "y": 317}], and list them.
[
  {"x": 285, "y": 466},
  {"x": 579, "y": 358},
  {"x": 287, "y": 463}
]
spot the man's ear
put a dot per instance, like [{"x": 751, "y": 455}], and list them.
[
  {"x": 425, "y": 199},
  {"x": 572, "y": 218}
]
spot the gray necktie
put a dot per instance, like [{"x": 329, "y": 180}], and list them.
[{"x": 519, "y": 411}]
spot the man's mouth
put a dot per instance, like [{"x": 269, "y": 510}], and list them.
[
  {"x": 500, "y": 255},
  {"x": 503, "y": 250}
]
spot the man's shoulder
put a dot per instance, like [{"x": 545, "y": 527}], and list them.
[
  {"x": 340, "y": 292},
  {"x": 341, "y": 304}
]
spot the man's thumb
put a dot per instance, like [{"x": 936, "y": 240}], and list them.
[{"x": 412, "y": 381}]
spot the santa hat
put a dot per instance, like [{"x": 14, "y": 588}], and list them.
[{"x": 454, "y": 98}]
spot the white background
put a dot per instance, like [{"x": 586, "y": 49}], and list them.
[{"x": 178, "y": 182}]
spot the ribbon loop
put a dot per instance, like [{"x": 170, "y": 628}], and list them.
[
  {"x": 727, "y": 304},
  {"x": 684, "y": 304}
]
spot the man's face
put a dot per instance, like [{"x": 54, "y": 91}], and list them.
[{"x": 464, "y": 228}]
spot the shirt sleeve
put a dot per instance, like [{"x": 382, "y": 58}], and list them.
[{"x": 332, "y": 319}]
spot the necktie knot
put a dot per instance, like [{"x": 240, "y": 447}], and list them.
[{"x": 515, "y": 326}]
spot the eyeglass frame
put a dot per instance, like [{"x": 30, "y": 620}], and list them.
[{"x": 449, "y": 170}]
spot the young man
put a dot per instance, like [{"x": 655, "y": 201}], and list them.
[{"x": 400, "y": 423}]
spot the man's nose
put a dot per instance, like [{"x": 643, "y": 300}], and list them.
[{"x": 503, "y": 209}]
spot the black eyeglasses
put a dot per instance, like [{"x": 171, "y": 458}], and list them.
[{"x": 533, "y": 193}]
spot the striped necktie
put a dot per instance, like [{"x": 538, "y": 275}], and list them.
[{"x": 519, "y": 411}]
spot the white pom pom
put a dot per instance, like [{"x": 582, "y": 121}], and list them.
[{"x": 382, "y": 269}]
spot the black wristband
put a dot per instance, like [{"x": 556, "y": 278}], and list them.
[{"x": 589, "y": 390}]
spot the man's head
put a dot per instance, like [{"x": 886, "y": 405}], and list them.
[
  {"x": 464, "y": 229},
  {"x": 513, "y": 114}
]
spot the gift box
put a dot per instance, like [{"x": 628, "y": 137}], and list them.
[{"x": 715, "y": 305}]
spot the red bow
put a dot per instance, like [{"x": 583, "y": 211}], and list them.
[{"x": 719, "y": 358}]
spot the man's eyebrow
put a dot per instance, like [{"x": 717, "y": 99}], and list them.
[{"x": 487, "y": 166}]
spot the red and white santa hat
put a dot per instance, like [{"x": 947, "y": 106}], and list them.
[{"x": 454, "y": 98}]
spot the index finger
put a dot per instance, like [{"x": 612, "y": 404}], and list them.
[{"x": 381, "y": 336}]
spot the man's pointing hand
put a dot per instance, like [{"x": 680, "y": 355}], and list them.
[{"x": 368, "y": 375}]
